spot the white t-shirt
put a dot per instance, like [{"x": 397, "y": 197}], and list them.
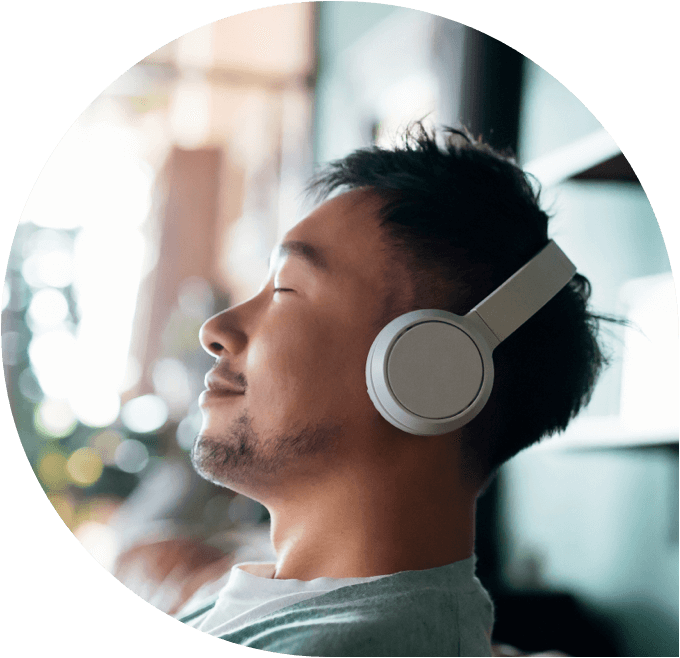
[
  {"x": 443, "y": 611},
  {"x": 251, "y": 592}
]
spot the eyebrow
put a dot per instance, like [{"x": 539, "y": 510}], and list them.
[{"x": 305, "y": 251}]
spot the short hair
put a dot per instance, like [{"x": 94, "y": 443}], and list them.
[{"x": 465, "y": 217}]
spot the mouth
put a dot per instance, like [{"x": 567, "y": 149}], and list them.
[
  {"x": 214, "y": 383},
  {"x": 213, "y": 394}
]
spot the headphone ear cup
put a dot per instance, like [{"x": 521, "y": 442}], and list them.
[
  {"x": 434, "y": 370},
  {"x": 427, "y": 373}
]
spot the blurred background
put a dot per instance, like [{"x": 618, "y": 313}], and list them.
[{"x": 160, "y": 207}]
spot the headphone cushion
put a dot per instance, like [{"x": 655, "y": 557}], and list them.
[{"x": 434, "y": 370}]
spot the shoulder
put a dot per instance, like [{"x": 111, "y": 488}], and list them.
[
  {"x": 346, "y": 632},
  {"x": 414, "y": 614}
]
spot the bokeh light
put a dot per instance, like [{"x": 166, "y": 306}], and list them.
[
  {"x": 48, "y": 309},
  {"x": 48, "y": 259},
  {"x": 51, "y": 268},
  {"x": 146, "y": 413},
  {"x": 84, "y": 467},
  {"x": 105, "y": 444},
  {"x": 131, "y": 456},
  {"x": 94, "y": 406},
  {"x": 54, "y": 418},
  {"x": 52, "y": 470}
]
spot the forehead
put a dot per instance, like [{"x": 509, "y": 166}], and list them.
[{"x": 347, "y": 232}]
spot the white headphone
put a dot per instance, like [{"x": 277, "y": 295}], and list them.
[{"x": 430, "y": 372}]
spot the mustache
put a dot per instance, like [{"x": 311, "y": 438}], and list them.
[{"x": 223, "y": 372}]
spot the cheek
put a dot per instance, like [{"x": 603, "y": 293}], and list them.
[
  {"x": 315, "y": 372},
  {"x": 318, "y": 371},
  {"x": 282, "y": 368}
]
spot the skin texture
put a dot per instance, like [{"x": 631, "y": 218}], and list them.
[{"x": 349, "y": 495}]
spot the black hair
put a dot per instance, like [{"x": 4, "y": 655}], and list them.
[{"x": 465, "y": 218}]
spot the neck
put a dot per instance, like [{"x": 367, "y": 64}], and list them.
[{"x": 363, "y": 522}]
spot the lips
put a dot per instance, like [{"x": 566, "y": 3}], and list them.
[{"x": 220, "y": 385}]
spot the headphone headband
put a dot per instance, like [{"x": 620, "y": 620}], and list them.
[{"x": 525, "y": 292}]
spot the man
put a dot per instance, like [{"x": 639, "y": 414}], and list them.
[{"x": 373, "y": 526}]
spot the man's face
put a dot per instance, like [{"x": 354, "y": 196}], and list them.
[{"x": 287, "y": 394}]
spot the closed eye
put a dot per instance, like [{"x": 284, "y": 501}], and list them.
[{"x": 283, "y": 290}]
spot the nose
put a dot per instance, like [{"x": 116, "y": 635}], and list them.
[{"x": 222, "y": 335}]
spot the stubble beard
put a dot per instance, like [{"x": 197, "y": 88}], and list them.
[{"x": 241, "y": 457}]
